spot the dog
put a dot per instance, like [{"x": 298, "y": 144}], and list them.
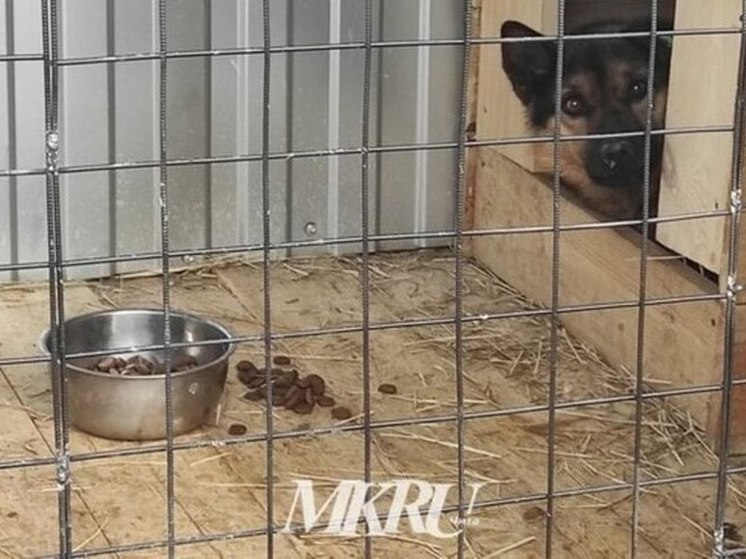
[{"x": 605, "y": 91}]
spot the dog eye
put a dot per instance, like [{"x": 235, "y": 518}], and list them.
[
  {"x": 638, "y": 89},
  {"x": 573, "y": 105}
]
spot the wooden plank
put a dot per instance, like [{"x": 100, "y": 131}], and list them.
[
  {"x": 738, "y": 400},
  {"x": 697, "y": 167},
  {"x": 500, "y": 113},
  {"x": 683, "y": 342}
]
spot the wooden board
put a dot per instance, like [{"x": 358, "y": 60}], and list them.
[
  {"x": 697, "y": 167},
  {"x": 500, "y": 113},
  {"x": 738, "y": 399},
  {"x": 683, "y": 343}
]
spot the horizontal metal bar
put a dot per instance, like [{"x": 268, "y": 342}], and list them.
[
  {"x": 30, "y": 57},
  {"x": 353, "y": 428},
  {"x": 399, "y": 148},
  {"x": 340, "y": 241},
  {"x": 384, "y": 326},
  {"x": 378, "y": 45}
]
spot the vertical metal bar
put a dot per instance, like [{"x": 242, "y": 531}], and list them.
[
  {"x": 380, "y": 81},
  {"x": 733, "y": 287},
  {"x": 209, "y": 127},
  {"x": 459, "y": 273},
  {"x": 555, "y": 317},
  {"x": 12, "y": 137},
  {"x": 266, "y": 276},
  {"x": 365, "y": 256},
  {"x": 422, "y": 129},
  {"x": 56, "y": 284},
  {"x": 333, "y": 110},
  {"x": 111, "y": 112},
  {"x": 166, "y": 270},
  {"x": 642, "y": 294}
]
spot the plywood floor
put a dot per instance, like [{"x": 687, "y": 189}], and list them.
[{"x": 120, "y": 501}]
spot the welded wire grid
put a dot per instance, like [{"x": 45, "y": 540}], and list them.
[{"x": 56, "y": 265}]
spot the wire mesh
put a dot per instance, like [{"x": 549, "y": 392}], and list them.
[{"x": 64, "y": 460}]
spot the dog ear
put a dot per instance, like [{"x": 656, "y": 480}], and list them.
[{"x": 528, "y": 65}]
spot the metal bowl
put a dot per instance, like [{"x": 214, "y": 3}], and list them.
[{"x": 133, "y": 407}]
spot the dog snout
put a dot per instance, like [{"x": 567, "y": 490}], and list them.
[{"x": 615, "y": 154}]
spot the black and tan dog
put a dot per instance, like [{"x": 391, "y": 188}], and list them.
[{"x": 604, "y": 92}]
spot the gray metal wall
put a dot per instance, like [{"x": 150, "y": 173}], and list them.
[{"x": 109, "y": 114}]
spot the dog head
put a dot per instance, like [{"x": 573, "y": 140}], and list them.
[{"x": 604, "y": 91}]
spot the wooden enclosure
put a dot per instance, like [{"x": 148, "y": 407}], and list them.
[{"x": 683, "y": 343}]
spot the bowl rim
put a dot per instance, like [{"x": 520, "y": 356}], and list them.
[{"x": 41, "y": 345}]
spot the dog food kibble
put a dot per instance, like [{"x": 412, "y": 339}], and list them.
[
  {"x": 293, "y": 397},
  {"x": 244, "y": 376},
  {"x": 317, "y": 384},
  {"x": 387, "y": 389},
  {"x": 302, "y": 382},
  {"x": 141, "y": 366},
  {"x": 236, "y": 430},
  {"x": 253, "y": 396},
  {"x": 533, "y": 514},
  {"x": 288, "y": 378},
  {"x": 278, "y": 397},
  {"x": 303, "y": 408},
  {"x": 341, "y": 412},
  {"x": 301, "y": 394},
  {"x": 247, "y": 366},
  {"x": 325, "y": 401},
  {"x": 256, "y": 382}
]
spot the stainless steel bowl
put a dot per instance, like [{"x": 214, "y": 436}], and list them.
[{"x": 133, "y": 407}]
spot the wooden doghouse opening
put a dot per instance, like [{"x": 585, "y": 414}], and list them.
[{"x": 684, "y": 341}]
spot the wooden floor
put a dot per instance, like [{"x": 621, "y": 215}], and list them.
[{"x": 121, "y": 501}]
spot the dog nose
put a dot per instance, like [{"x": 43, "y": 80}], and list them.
[{"x": 614, "y": 154}]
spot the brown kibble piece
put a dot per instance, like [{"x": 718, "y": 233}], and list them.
[
  {"x": 302, "y": 382},
  {"x": 533, "y": 514},
  {"x": 278, "y": 397},
  {"x": 317, "y": 384},
  {"x": 340, "y": 412},
  {"x": 325, "y": 401},
  {"x": 253, "y": 396},
  {"x": 247, "y": 366},
  {"x": 309, "y": 396},
  {"x": 282, "y": 360},
  {"x": 236, "y": 430},
  {"x": 303, "y": 408},
  {"x": 288, "y": 378},
  {"x": 293, "y": 397},
  {"x": 387, "y": 389},
  {"x": 245, "y": 376},
  {"x": 255, "y": 382}
]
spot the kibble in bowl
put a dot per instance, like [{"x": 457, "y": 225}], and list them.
[{"x": 127, "y": 401}]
